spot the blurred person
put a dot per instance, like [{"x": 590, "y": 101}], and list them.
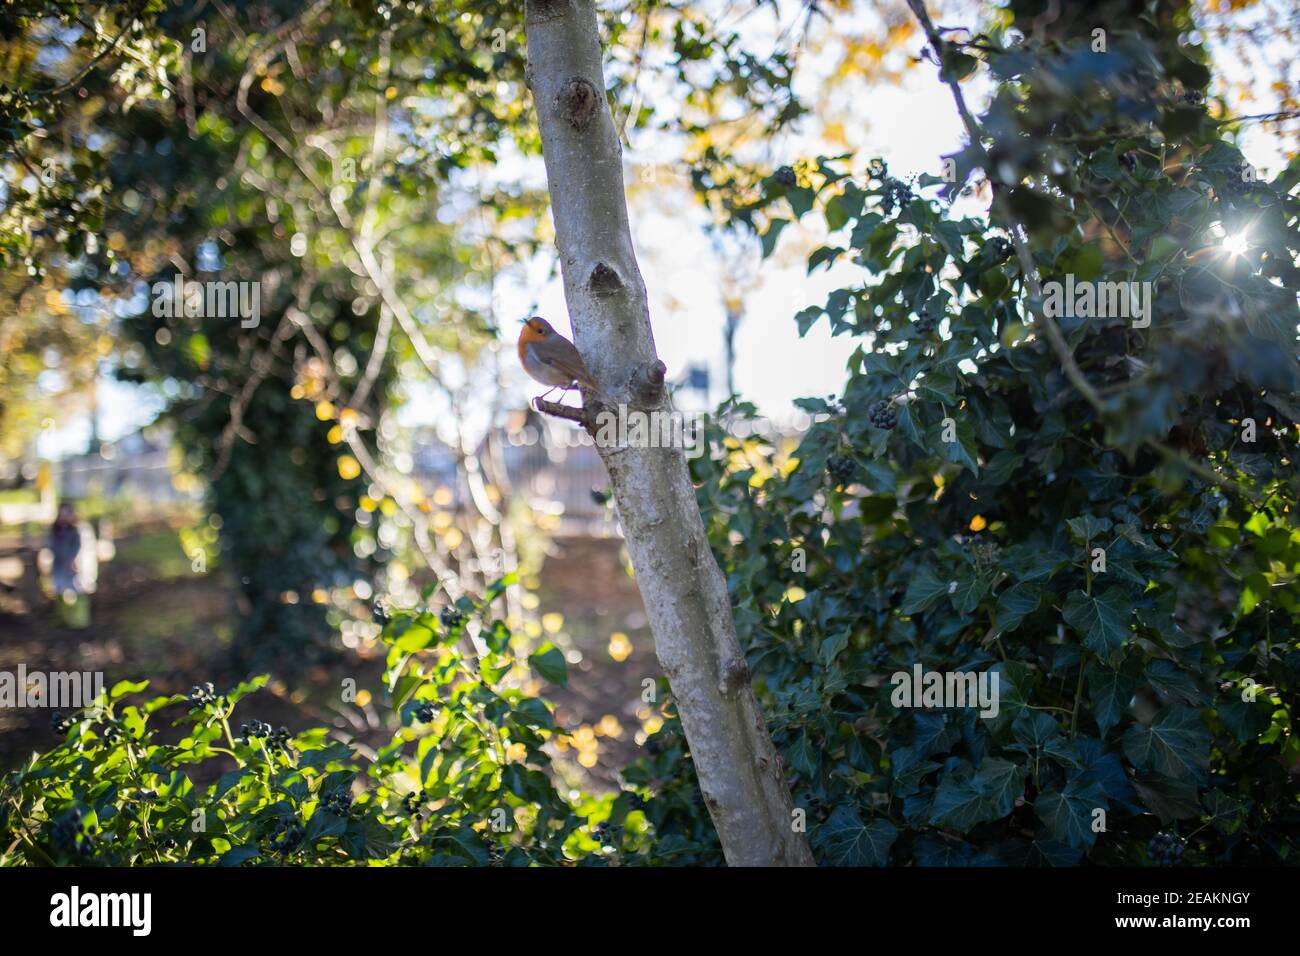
[{"x": 65, "y": 546}]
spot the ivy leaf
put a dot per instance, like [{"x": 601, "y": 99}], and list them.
[
  {"x": 1048, "y": 853},
  {"x": 1167, "y": 797},
  {"x": 932, "y": 851},
  {"x": 964, "y": 800},
  {"x": 1034, "y": 729},
  {"x": 773, "y": 233},
  {"x": 845, "y": 841},
  {"x": 1177, "y": 744},
  {"x": 804, "y": 755},
  {"x": 1031, "y": 562},
  {"x": 1104, "y": 768},
  {"x": 1102, "y": 620},
  {"x": 1109, "y": 692},
  {"x": 806, "y": 318},
  {"x": 1171, "y": 683},
  {"x": 962, "y": 451},
  {"x": 414, "y": 637},
  {"x": 1014, "y": 605},
  {"x": 924, "y": 589},
  {"x": 831, "y": 647},
  {"x": 956, "y": 64},
  {"x": 239, "y": 854},
  {"x": 548, "y": 661},
  {"x": 971, "y": 588},
  {"x": 826, "y": 255},
  {"x": 1246, "y": 720},
  {"x": 1087, "y": 527},
  {"x": 1068, "y": 813},
  {"x": 1226, "y": 813}
]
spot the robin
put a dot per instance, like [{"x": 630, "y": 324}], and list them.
[{"x": 550, "y": 358}]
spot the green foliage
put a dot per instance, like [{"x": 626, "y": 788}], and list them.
[
  {"x": 462, "y": 782},
  {"x": 1153, "y": 679}
]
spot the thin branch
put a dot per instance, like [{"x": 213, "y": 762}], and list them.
[
  {"x": 95, "y": 61},
  {"x": 567, "y": 412}
]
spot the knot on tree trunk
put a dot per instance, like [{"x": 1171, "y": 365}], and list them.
[
  {"x": 604, "y": 280},
  {"x": 732, "y": 675},
  {"x": 539, "y": 11},
  {"x": 577, "y": 102},
  {"x": 648, "y": 382}
]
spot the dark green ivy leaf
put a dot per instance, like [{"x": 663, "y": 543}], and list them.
[
  {"x": 1068, "y": 813},
  {"x": 844, "y": 840},
  {"x": 1177, "y": 744},
  {"x": 548, "y": 661},
  {"x": 1103, "y": 620}
]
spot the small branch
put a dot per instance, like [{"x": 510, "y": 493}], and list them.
[
  {"x": 99, "y": 57},
  {"x": 567, "y": 412},
  {"x": 1258, "y": 117}
]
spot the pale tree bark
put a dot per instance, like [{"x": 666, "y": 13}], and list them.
[{"x": 685, "y": 594}]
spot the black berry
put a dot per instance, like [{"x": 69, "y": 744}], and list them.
[
  {"x": 883, "y": 414},
  {"x": 451, "y": 618},
  {"x": 785, "y": 176},
  {"x": 286, "y": 835},
  {"x": 897, "y": 194},
  {"x": 840, "y": 469},
  {"x": 203, "y": 694},
  {"x": 1166, "y": 849},
  {"x": 338, "y": 802}
]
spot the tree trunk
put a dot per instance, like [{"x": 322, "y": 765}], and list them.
[{"x": 685, "y": 594}]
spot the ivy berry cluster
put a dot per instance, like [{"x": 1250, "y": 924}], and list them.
[
  {"x": 786, "y": 177},
  {"x": 61, "y": 724},
  {"x": 840, "y": 469},
  {"x": 451, "y": 618},
  {"x": 897, "y": 195},
  {"x": 286, "y": 835},
  {"x": 275, "y": 739},
  {"x": 883, "y": 414},
  {"x": 1166, "y": 849},
  {"x": 338, "y": 802},
  {"x": 203, "y": 694}
]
